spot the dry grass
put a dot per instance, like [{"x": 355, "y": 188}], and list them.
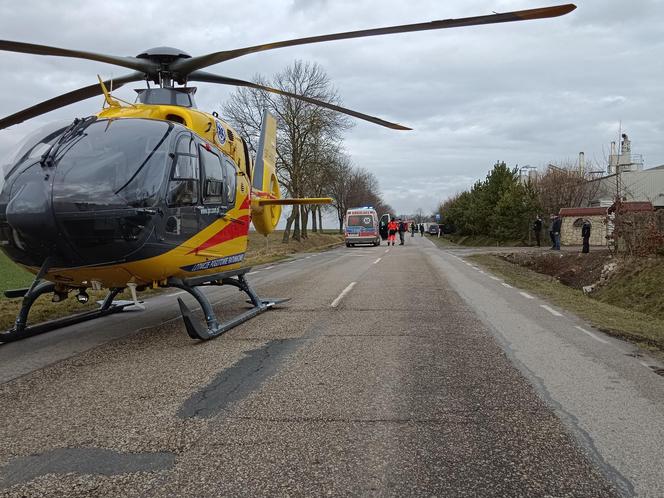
[
  {"x": 261, "y": 250},
  {"x": 629, "y": 324}
]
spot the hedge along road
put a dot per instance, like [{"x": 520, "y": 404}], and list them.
[{"x": 401, "y": 388}]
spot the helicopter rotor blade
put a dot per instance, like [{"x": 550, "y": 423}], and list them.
[
  {"x": 223, "y": 80},
  {"x": 66, "y": 99},
  {"x": 194, "y": 63},
  {"x": 31, "y": 48}
]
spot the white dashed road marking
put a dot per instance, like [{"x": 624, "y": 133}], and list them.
[
  {"x": 507, "y": 285},
  {"x": 377, "y": 261},
  {"x": 599, "y": 339},
  {"x": 336, "y": 302},
  {"x": 551, "y": 310},
  {"x": 494, "y": 278},
  {"x": 177, "y": 293},
  {"x": 526, "y": 295}
]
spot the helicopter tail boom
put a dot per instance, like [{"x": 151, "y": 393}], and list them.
[{"x": 291, "y": 202}]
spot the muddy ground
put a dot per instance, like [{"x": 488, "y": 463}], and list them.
[{"x": 575, "y": 270}]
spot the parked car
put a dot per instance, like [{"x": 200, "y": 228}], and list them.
[{"x": 433, "y": 229}]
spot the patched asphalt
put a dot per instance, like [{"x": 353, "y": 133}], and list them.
[{"x": 399, "y": 391}]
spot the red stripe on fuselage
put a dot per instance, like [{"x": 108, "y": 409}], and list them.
[{"x": 236, "y": 228}]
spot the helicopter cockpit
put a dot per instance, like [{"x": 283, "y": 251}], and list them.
[{"x": 96, "y": 182}]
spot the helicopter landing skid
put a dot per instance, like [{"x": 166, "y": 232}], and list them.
[
  {"x": 21, "y": 329},
  {"x": 195, "y": 328}
]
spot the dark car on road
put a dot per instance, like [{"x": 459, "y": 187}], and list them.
[{"x": 433, "y": 229}]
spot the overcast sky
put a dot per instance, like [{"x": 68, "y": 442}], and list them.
[{"x": 527, "y": 93}]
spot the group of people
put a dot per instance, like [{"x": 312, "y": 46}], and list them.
[
  {"x": 413, "y": 229},
  {"x": 401, "y": 227},
  {"x": 555, "y": 227}
]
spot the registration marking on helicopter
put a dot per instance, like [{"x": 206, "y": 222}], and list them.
[{"x": 215, "y": 263}]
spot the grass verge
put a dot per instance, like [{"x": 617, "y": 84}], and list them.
[
  {"x": 638, "y": 327},
  {"x": 481, "y": 241},
  {"x": 261, "y": 250}
]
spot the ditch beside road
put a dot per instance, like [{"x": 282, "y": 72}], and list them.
[{"x": 622, "y": 296}]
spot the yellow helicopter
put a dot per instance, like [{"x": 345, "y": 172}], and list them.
[{"x": 154, "y": 193}]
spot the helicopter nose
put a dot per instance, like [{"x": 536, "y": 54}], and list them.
[{"x": 29, "y": 212}]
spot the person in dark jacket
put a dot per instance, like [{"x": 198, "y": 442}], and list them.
[
  {"x": 585, "y": 233},
  {"x": 537, "y": 228},
  {"x": 402, "y": 229},
  {"x": 555, "y": 229},
  {"x": 412, "y": 229},
  {"x": 553, "y": 239},
  {"x": 421, "y": 229}
]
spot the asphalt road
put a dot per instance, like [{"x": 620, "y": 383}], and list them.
[{"x": 392, "y": 371}]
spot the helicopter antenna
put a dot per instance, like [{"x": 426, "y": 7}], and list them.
[{"x": 110, "y": 101}]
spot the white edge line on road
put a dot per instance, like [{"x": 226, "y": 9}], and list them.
[
  {"x": 550, "y": 310},
  {"x": 176, "y": 293},
  {"x": 508, "y": 286},
  {"x": 588, "y": 332},
  {"x": 253, "y": 272},
  {"x": 494, "y": 278},
  {"x": 268, "y": 268},
  {"x": 526, "y": 295},
  {"x": 377, "y": 261},
  {"x": 336, "y": 302},
  {"x": 307, "y": 257},
  {"x": 387, "y": 250}
]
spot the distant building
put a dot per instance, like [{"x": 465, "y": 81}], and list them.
[
  {"x": 626, "y": 179},
  {"x": 600, "y": 219},
  {"x": 572, "y": 220}
]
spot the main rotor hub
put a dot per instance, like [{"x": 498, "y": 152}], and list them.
[{"x": 163, "y": 55}]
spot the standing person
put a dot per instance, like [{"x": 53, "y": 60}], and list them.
[
  {"x": 421, "y": 229},
  {"x": 553, "y": 239},
  {"x": 555, "y": 228},
  {"x": 537, "y": 228},
  {"x": 402, "y": 228},
  {"x": 412, "y": 229},
  {"x": 391, "y": 231},
  {"x": 585, "y": 233}
]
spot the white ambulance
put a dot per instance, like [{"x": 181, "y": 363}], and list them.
[{"x": 361, "y": 227}]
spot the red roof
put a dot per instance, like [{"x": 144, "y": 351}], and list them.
[
  {"x": 633, "y": 207},
  {"x": 596, "y": 211}
]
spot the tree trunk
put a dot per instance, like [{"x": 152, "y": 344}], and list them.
[
  {"x": 304, "y": 212},
  {"x": 314, "y": 226},
  {"x": 297, "y": 235},
  {"x": 289, "y": 223},
  {"x": 320, "y": 219}
]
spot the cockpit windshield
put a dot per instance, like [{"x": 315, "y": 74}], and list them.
[
  {"x": 38, "y": 142},
  {"x": 113, "y": 163}
]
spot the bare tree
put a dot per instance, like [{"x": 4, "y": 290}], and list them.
[
  {"x": 302, "y": 127},
  {"x": 564, "y": 186}
]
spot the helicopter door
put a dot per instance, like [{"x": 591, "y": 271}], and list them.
[
  {"x": 183, "y": 195},
  {"x": 218, "y": 185}
]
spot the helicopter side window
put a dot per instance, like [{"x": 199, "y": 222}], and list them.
[
  {"x": 230, "y": 172},
  {"x": 213, "y": 192},
  {"x": 183, "y": 187}
]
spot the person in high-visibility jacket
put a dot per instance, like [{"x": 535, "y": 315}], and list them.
[{"x": 392, "y": 228}]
